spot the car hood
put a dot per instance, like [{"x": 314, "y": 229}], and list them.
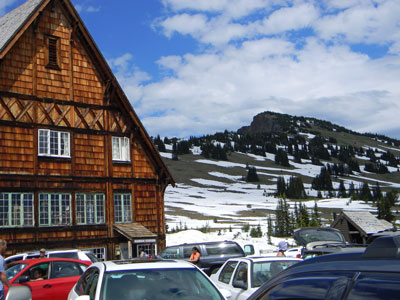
[{"x": 318, "y": 236}]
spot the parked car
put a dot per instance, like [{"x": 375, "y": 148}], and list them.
[
  {"x": 58, "y": 253},
  {"x": 294, "y": 252},
  {"x": 243, "y": 276},
  {"x": 370, "y": 274},
  {"x": 145, "y": 279},
  {"x": 212, "y": 254},
  {"x": 58, "y": 275},
  {"x": 318, "y": 241}
]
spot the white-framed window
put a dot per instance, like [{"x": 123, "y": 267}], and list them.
[
  {"x": 16, "y": 209},
  {"x": 54, "y": 143},
  {"x": 122, "y": 208},
  {"x": 120, "y": 148},
  {"x": 90, "y": 209},
  {"x": 54, "y": 209}
]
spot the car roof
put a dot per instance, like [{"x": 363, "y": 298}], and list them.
[
  {"x": 204, "y": 243},
  {"x": 141, "y": 264},
  {"x": 43, "y": 260},
  {"x": 265, "y": 258}
]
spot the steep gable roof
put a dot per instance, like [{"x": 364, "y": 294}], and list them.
[
  {"x": 15, "y": 23},
  {"x": 12, "y": 23}
]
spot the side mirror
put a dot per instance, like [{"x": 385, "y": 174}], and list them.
[
  {"x": 23, "y": 278},
  {"x": 248, "y": 249},
  {"x": 19, "y": 292},
  {"x": 239, "y": 284}
]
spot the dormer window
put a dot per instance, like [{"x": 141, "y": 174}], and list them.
[
  {"x": 120, "y": 149},
  {"x": 53, "y": 52}
]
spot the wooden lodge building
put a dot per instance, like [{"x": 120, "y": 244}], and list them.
[{"x": 77, "y": 168}]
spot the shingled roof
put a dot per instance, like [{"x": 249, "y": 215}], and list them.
[
  {"x": 364, "y": 221},
  {"x": 11, "y": 23}
]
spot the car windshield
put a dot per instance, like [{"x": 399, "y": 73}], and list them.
[
  {"x": 316, "y": 235},
  {"x": 14, "y": 269},
  {"x": 265, "y": 270},
  {"x": 160, "y": 284}
]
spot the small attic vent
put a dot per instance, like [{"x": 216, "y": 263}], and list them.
[{"x": 53, "y": 53}]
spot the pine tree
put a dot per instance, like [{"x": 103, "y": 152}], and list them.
[
  {"x": 174, "y": 152},
  {"x": 252, "y": 175},
  {"x": 281, "y": 158},
  {"x": 385, "y": 209},
  {"x": 365, "y": 193},
  {"x": 342, "y": 190},
  {"x": 280, "y": 187}
]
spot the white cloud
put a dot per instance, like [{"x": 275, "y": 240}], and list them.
[{"x": 258, "y": 62}]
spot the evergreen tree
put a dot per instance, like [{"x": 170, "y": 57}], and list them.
[
  {"x": 315, "y": 219},
  {"x": 342, "y": 190},
  {"x": 252, "y": 175},
  {"x": 376, "y": 192},
  {"x": 322, "y": 181},
  {"x": 280, "y": 187},
  {"x": 365, "y": 192},
  {"x": 282, "y": 227},
  {"x": 295, "y": 189},
  {"x": 385, "y": 209},
  {"x": 269, "y": 229},
  {"x": 281, "y": 158},
  {"x": 174, "y": 152}
]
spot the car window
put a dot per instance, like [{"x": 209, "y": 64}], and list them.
[
  {"x": 241, "y": 273},
  {"x": 13, "y": 270},
  {"x": 92, "y": 257},
  {"x": 171, "y": 253},
  {"x": 87, "y": 284},
  {"x": 187, "y": 251},
  {"x": 227, "y": 271},
  {"x": 223, "y": 248},
  {"x": 73, "y": 255},
  {"x": 37, "y": 272},
  {"x": 371, "y": 286},
  {"x": 61, "y": 269},
  {"x": 311, "y": 287}
]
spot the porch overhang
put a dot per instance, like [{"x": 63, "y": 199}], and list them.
[{"x": 136, "y": 233}]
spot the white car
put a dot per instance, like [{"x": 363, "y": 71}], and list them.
[
  {"x": 145, "y": 279},
  {"x": 59, "y": 253},
  {"x": 243, "y": 276}
]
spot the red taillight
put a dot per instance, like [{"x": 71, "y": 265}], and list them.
[{"x": 298, "y": 255}]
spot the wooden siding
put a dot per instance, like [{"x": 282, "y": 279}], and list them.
[
  {"x": 16, "y": 150},
  {"x": 89, "y": 155},
  {"x": 16, "y": 69},
  {"x": 145, "y": 210},
  {"x": 141, "y": 164}
]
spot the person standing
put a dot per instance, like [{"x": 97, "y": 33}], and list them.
[
  {"x": 3, "y": 276},
  {"x": 42, "y": 253},
  {"x": 195, "y": 256},
  {"x": 282, "y": 247}
]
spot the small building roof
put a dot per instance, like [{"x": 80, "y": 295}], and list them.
[
  {"x": 11, "y": 23},
  {"x": 364, "y": 221}
]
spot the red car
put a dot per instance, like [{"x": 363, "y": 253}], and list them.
[{"x": 48, "y": 278}]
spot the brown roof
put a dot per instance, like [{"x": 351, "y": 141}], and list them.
[{"x": 134, "y": 230}]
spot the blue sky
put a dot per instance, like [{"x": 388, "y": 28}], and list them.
[{"x": 193, "y": 67}]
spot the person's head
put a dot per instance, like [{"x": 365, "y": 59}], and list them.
[
  {"x": 42, "y": 253},
  {"x": 195, "y": 249},
  {"x": 3, "y": 246},
  {"x": 37, "y": 273},
  {"x": 283, "y": 246}
]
